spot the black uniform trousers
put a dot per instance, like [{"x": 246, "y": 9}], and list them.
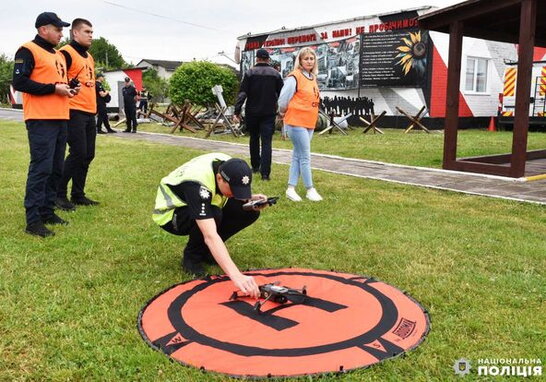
[
  {"x": 260, "y": 128},
  {"x": 143, "y": 105},
  {"x": 82, "y": 134},
  {"x": 229, "y": 220},
  {"x": 47, "y": 141},
  {"x": 102, "y": 117},
  {"x": 130, "y": 116}
]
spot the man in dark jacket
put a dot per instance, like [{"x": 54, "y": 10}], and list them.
[
  {"x": 130, "y": 96},
  {"x": 260, "y": 88},
  {"x": 103, "y": 97}
]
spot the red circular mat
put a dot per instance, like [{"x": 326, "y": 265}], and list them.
[{"x": 346, "y": 322}]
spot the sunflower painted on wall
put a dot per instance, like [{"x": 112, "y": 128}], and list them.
[{"x": 413, "y": 53}]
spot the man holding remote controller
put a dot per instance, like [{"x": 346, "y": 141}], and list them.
[
  {"x": 209, "y": 199},
  {"x": 39, "y": 72},
  {"x": 82, "y": 128}
]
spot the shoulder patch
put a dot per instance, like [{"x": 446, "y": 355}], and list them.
[{"x": 204, "y": 193}]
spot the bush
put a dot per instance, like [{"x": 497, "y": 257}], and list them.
[{"x": 194, "y": 81}]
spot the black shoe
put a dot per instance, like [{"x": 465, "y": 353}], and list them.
[
  {"x": 266, "y": 177},
  {"x": 111, "y": 131},
  {"x": 38, "y": 229},
  {"x": 84, "y": 201},
  {"x": 54, "y": 219},
  {"x": 63, "y": 204},
  {"x": 134, "y": 131},
  {"x": 192, "y": 267},
  {"x": 126, "y": 131},
  {"x": 101, "y": 132}
]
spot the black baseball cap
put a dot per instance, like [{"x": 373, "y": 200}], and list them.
[
  {"x": 47, "y": 18},
  {"x": 262, "y": 53},
  {"x": 238, "y": 174}
]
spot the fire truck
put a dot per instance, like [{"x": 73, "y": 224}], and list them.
[{"x": 537, "y": 106}]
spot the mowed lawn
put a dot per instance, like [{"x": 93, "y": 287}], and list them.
[
  {"x": 415, "y": 148},
  {"x": 69, "y": 304}
]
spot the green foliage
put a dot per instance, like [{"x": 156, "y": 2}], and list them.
[
  {"x": 155, "y": 85},
  {"x": 194, "y": 81},
  {"x": 6, "y": 75},
  {"x": 106, "y": 55}
]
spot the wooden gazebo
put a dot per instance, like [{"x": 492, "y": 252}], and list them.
[{"x": 521, "y": 22}]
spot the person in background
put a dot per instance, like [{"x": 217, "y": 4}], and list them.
[
  {"x": 103, "y": 97},
  {"x": 130, "y": 97},
  {"x": 82, "y": 128},
  {"x": 143, "y": 97},
  {"x": 299, "y": 106},
  {"x": 260, "y": 87},
  {"x": 204, "y": 199},
  {"x": 39, "y": 72}
]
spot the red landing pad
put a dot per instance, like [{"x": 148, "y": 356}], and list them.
[{"x": 346, "y": 322}]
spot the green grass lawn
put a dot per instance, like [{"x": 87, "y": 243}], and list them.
[
  {"x": 69, "y": 304},
  {"x": 415, "y": 148}
]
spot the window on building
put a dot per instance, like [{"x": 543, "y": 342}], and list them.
[{"x": 476, "y": 75}]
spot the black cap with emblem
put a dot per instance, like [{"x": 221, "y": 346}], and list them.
[
  {"x": 46, "y": 18},
  {"x": 238, "y": 174}
]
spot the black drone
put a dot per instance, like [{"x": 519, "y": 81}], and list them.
[{"x": 279, "y": 294}]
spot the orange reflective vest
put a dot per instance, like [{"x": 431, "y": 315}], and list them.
[
  {"x": 48, "y": 68},
  {"x": 82, "y": 68},
  {"x": 303, "y": 108}
]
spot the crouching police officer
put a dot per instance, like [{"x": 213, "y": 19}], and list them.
[{"x": 203, "y": 198}]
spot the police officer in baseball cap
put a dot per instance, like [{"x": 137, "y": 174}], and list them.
[
  {"x": 40, "y": 73},
  {"x": 204, "y": 199}
]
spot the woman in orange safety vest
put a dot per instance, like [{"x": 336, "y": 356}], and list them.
[{"x": 299, "y": 106}]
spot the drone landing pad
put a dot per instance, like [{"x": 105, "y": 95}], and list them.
[{"x": 347, "y": 322}]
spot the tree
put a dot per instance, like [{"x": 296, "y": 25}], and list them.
[
  {"x": 6, "y": 75},
  {"x": 157, "y": 86},
  {"x": 106, "y": 55},
  {"x": 194, "y": 81}
]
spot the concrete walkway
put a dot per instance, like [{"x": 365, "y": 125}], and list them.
[{"x": 475, "y": 184}]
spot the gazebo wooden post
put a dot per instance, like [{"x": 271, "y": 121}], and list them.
[
  {"x": 527, "y": 27},
  {"x": 452, "y": 97}
]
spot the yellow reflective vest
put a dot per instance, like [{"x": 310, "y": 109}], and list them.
[{"x": 199, "y": 170}]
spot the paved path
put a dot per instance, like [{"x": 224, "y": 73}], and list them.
[{"x": 476, "y": 184}]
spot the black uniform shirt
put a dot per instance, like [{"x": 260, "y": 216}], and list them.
[
  {"x": 78, "y": 48},
  {"x": 98, "y": 89},
  {"x": 129, "y": 94},
  {"x": 23, "y": 67}
]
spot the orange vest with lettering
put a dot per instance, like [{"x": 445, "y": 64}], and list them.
[
  {"x": 48, "y": 68},
  {"x": 303, "y": 108},
  {"x": 83, "y": 69}
]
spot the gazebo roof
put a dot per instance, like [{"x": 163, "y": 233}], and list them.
[{"x": 496, "y": 20}]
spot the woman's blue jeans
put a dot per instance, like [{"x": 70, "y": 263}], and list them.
[{"x": 301, "y": 155}]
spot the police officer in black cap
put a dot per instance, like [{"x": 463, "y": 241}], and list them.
[
  {"x": 130, "y": 96},
  {"x": 40, "y": 73},
  {"x": 203, "y": 199}
]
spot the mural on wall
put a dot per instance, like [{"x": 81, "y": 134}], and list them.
[
  {"x": 394, "y": 58},
  {"x": 337, "y": 62}
]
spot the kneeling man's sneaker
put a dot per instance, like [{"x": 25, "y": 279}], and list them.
[{"x": 192, "y": 267}]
